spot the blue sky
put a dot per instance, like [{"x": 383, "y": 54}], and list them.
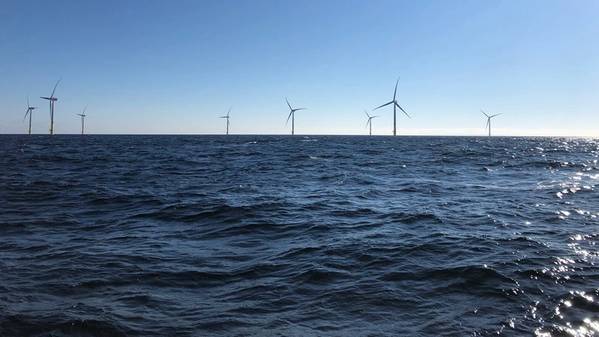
[{"x": 175, "y": 66}]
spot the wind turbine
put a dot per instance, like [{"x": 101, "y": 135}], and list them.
[
  {"x": 52, "y": 99},
  {"x": 82, "y": 115},
  {"x": 227, "y": 117},
  {"x": 292, "y": 116},
  {"x": 369, "y": 122},
  {"x": 29, "y": 112},
  {"x": 395, "y": 105},
  {"x": 488, "y": 126}
]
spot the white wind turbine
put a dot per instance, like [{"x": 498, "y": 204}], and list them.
[
  {"x": 82, "y": 115},
  {"x": 369, "y": 122},
  {"x": 292, "y": 115},
  {"x": 227, "y": 117},
  {"x": 29, "y": 112},
  {"x": 52, "y": 99},
  {"x": 395, "y": 105},
  {"x": 488, "y": 125}
]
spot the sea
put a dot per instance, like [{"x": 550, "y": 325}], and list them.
[{"x": 116, "y": 235}]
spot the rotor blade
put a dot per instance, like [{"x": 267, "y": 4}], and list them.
[
  {"x": 48, "y": 98},
  {"x": 366, "y": 112},
  {"x": 289, "y": 105},
  {"x": 395, "y": 91},
  {"x": 228, "y": 112},
  {"x": 495, "y": 115},
  {"x": 53, "y": 90},
  {"x": 368, "y": 122},
  {"x": 488, "y": 123},
  {"x": 400, "y": 108},
  {"x": 299, "y": 109},
  {"x": 484, "y": 113},
  {"x": 378, "y": 107},
  {"x": 291, "y": 113},
  {"x": 27, "y": 113}
]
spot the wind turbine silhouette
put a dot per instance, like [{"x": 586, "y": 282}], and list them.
[
  {"x": 369, "y": 122},
  {"x": 292, "y": 116},
  {"x": 82, "y": 115},
  {"x": 395, "y": 105},
  {"x": 29, "y": 112},
  {"x": 488, "y": 126},
  {"x": 52, "y": 99},
  {"x": 227, "y": 117}
]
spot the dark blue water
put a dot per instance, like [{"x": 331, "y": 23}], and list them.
[{"x": 298, "y": 236}]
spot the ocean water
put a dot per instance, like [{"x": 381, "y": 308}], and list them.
[{"x": 298, "y": 236}]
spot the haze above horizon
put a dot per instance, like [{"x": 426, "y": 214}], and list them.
[{"x": 176, "y": 67}]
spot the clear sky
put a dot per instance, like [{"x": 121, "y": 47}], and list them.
[{"x": 175, "y": 66}]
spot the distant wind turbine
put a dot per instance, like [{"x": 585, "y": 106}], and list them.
[
  {"x": 29, "y": 112},
  {"x": 292, "y": 116},
  {"x": 395, "y": 105},
  {"x": 52, "y": 99},
  {"x": 82, "y": 115},
  {"x": 488, "y": 126},
  {"x": 227, "y": 117},
  {"x": 369, "y": 122}
]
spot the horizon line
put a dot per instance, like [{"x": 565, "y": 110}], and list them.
[{"x": 296, "y": 135}]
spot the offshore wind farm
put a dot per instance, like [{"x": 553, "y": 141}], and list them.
[
  {"x": 291, "y": 115},
  {"x": 299, "y": 168}
]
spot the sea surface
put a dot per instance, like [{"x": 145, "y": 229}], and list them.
[{"x": 298, "y": 236}]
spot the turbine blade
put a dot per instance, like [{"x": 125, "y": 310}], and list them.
[
  {"x": 395, "y": 91},
  {"x": 400, "y": 108},
  {"x": 229, "y": 112},
  {"x": 367, "y": 115},
  {"x": 27, "y": 113},
  {"x": 53, "y": 90},
  {"x": 378, "y": 107},
  {"x": 289, "y": 105},
  {"x": 289, "y": 117},
  {"x": 495, "y": 115},
  {"x": 48, "y": 98},
  {"x": 368, "y": 122},
  {"x": 299, "y": 109},
  {"x": 484, "y": 113}
]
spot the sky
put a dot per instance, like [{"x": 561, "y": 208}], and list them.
[{"x": 174, "y": 67}]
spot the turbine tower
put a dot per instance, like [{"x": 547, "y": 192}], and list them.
[
  {"x": 227, "y": 117},
  {"x": 488, "y": 126},
  {"x": 395, "y": 105},
  {"x": 29, "y": 112},
  {"x": 292, "y": 116},
  {"x": 369, "y": 122},
  {"x": 52, "y": 99},
  {"x": 82, "y": 115}
]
